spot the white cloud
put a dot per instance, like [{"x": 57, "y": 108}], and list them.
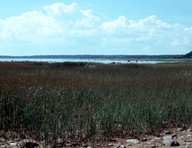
[
  {"x": 149, "y": 32},
  {"x": 60, "y": 8},
  {"x": 83, "y": 33},
  {"x": 115, "y": 25},
  {"x": 68, "y": 26},
  {"x": 188, "y": 30},
  {"x": 29, "y": 26},
  {"x": 59, "y": 21},
  {"x": 88, "y": 20}
]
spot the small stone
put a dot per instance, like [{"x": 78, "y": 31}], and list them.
[
  {"x": 59, "y": 141},
  {"x": 13, "y": 144},
  {"x": 157, "y": 138},
  {"x": 27, "y": 143},
  {"x": 68, "y": 144},
  {"x": 113, "y": 140},
  {"x": 188, "y": 135},
  {"x": 174, "y": 143},
  {"x": 179, "y": 129},
  {"x": 188, "y": 139},
  {"x": 181, "y": 138},
  {"x": 167, "y": 137},
  {"x": 109, "y": 144},
  {"x": 188, "y": 145},
  {"x": 133, "y": 141},
  {"x": 167, "y": 132},
  {"x": 121, "y": 146},
  {"x": 189, "y": 130},
  {"x": 150, "y": 142},
  {"x": 168, "y": 141},
  {"x": 174, "y": 136},
  {"x": 84, "y": 144}
]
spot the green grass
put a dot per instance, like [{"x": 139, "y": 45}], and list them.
[{"x": 48, "y": 100}]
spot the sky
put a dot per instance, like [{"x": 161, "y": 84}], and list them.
[{"x": 69, "y": 27}]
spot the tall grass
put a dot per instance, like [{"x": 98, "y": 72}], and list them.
[{"x": 48, "y": 101}]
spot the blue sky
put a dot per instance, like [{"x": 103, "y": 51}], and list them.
[{"x": 128, "y": 27}]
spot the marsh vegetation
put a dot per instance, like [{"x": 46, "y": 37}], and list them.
[{"x": 72, "y": 100}]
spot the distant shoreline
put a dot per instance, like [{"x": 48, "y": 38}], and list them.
[{"x": 99, "y": 56}]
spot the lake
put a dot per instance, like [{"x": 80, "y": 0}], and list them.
[{"x": 105, "y": 61}]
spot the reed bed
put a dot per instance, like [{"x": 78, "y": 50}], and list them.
[{"x": 49, "y": 100}]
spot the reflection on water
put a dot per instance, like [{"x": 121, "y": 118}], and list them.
[{"x": 105, "y": 61}]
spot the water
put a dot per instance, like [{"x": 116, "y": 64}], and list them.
[{"x": 105, "y": 61}]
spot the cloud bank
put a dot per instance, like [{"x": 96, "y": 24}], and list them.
[{"x": 68, "y": 29}]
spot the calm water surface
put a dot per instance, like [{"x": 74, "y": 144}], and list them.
[{"x": 105, "y": 61}]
